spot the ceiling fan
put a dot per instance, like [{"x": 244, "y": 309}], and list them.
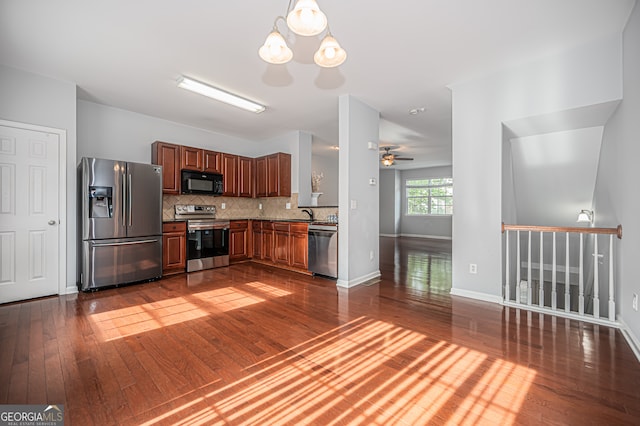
[{"x": 388, "y": 158}]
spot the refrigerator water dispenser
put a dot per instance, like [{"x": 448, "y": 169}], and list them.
[{"x": 100, "y": 202}]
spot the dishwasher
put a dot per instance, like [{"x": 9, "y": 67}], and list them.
[{"x": 323, "y": 250}]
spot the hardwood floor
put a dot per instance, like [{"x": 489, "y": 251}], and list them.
[{"x": 250, "y": 344}]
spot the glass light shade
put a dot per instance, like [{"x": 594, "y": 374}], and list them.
[
  {"x": 330, "y": 54},
  {"x": 387, "y": 162},
  {"x": 275, "y": 49},
  {"x": 306, "y": 18},
  {"x": 585, "y": 216}
]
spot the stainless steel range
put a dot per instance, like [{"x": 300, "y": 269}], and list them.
[{"x": 207, "y": 238}]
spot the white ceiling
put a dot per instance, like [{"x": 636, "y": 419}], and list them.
[{"x": 401, "y": 55}]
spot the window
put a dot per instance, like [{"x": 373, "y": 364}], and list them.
[{"x": 429, "y": 196}]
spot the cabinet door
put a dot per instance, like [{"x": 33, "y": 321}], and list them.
[
  {"x": 230, "y": 175},
  {"x": 173, "y": 251},
  {"x": 299, "y": 251},
  {"x": 281, "y": 247},
  {"x": 279, "y": 175},
  {"x": 238, "y": 240},
  {"x": 267, "y": 244},
  {"x": 261, "y": 177},
  {"x": 212, "y": 161},
  {"x": 191, "y": 158},
  {"x": 168, "y": 156},
  {"x": 257, "y": 244},
  {"x": 245, "y": 177}
]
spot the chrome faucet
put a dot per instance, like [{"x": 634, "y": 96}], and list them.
[{"x": 309, "y": 212}]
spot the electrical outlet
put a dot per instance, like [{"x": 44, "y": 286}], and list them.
[
  {"x": 260, "y": 206},
  {"x": 287, "y": 206},
  {"x": 634, "y": 302},
  {"x": 223, "y": 206},
  {"x": 473, "y": 268}
]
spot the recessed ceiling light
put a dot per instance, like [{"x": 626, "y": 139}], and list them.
[
  {"x": 219, "y": 94},
  {"x": 416, "y": 111}
]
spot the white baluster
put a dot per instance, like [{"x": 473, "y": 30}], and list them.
[
  {"x": 567, "y": 294},
  {"x": 518, "y": 267},
  {"x": 541, "y": 289},
  {"x": 612, "y": 303},
  {"x": 529, "y": 271},
  {"x": 507, "y": 286},
  {"x": 554, "y": 295},
  {"x": 596, "y": 284},
  {"x": 581, "y": 278}
]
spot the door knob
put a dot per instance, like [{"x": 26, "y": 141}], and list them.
[{"x": 52, "y": 222}]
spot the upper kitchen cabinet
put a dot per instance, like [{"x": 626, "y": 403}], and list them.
[
  {"x": 191, "y": 158},
  {"x": 230, "y": 174},
  {"x": 167, "y": 155},
  {"x": 273, "y": 175},
  {"x": 200, "y": 159},
  {"x": 245, "y": 176},
  {"x": 212, "y": 161}
]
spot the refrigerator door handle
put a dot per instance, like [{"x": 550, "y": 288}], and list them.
[
  {"x": 123, "y": 244},
  {"x": 124, "y": 191},
  {"x": 129, "y": 202}
]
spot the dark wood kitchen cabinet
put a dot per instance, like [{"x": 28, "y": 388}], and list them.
[
  {"x": 191, "y": 158},
  {"x": 281, "y": 239},
  {"x": 238, "y": 240},
  {"x": 230, "y": 174},
  {"x": 267, "y": 241},
  {"x": 256, "y": 240},
  {"x": 245, "y": 177},
  {"x": 273, "y": 175},
  {"x": 212, "y": 161},
  {"x": 167, "y": 155},
  {"x": 299, "y": 246},
  {"x": 174, "y": 247}
]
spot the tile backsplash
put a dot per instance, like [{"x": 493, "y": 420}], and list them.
[{"x": 246, "y": 208}]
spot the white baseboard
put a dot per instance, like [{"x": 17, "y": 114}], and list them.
[
  {"x": 475, "y": 295},
  {"x": 631, "y": 338},
  {"x": 71, "y": 289},
  {"x": 357, "y": 281},
  {"x": 390, "y": 235},
  {"x": 431, "y": 237}
]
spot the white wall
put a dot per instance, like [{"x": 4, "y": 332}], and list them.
[
  {"x": 358, "y": 246},
  {"x": 389, "y": 202},
  {"x": 113, "y": 133},
  {"x": 328, "y": 165},
  {"x": 616, "y": 199},
  {"x": 35, "y": 99},
  {"x": 428, "y": 226},
  {"x": 586, "y": 75}
]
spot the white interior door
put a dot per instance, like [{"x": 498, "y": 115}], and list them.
[{"x": 29, "y": 213}]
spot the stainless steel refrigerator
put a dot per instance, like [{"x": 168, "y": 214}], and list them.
[{"x": 119, "y": 223}]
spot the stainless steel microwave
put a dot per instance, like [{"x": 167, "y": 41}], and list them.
[{"x": 201, "y": 183}]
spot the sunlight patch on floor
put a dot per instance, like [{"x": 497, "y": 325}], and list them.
[
  {"x": 118, "y": 323},
  {"x": 369, "y": 372}
]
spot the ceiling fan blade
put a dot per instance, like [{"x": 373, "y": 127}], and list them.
[{"x": 403, "y": 158}]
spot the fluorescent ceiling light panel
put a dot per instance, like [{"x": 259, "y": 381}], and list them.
[{"x": 219, "y": 95}]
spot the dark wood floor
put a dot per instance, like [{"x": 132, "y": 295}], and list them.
[{"x": 250, "y": 344}]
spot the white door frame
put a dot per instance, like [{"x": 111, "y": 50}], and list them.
[{"x": 62, "y": 197}]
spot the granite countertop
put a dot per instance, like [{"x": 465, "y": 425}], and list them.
[{"x": 315, "y": 222}]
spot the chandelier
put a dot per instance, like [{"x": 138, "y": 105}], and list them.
[{"x": 305, "y": 19}]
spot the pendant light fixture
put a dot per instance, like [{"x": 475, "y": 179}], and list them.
[{"x": 305, "y": 19}]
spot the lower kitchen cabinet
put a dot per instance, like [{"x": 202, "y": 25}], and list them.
[
  {"x": 299, "y": 246},
  {"x": 238, "y": 240},
  {"x": 281, "y": 244},
  {"x": 174, "y": 247}
]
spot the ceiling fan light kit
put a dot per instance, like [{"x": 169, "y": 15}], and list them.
[
  {"x": 388, "y": 159},
  {"x": 305, "y": 19}
]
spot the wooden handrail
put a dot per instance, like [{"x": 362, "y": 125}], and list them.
[{"x": 609, "y": 231}]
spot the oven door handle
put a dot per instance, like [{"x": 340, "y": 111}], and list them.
[{"x": 204, "y": 227}]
